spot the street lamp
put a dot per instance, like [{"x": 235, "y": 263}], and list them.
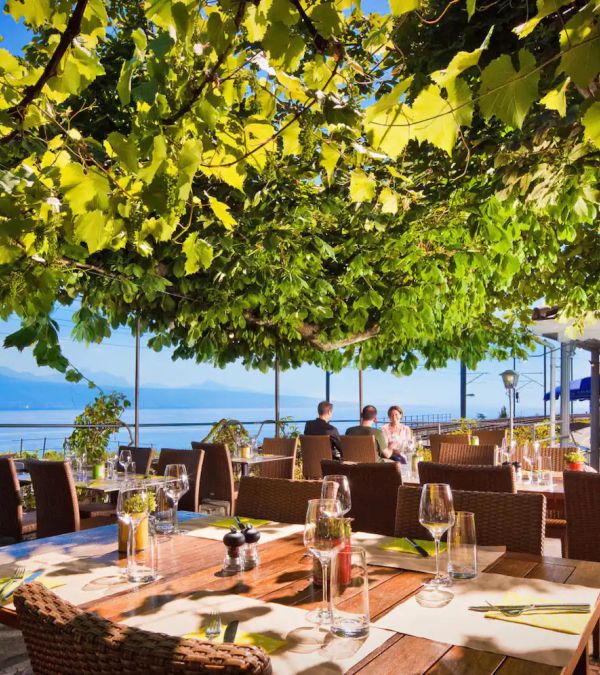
[{"x": 510, "y": 378}]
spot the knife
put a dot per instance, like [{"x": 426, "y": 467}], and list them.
[
  {"x": 238, "y": 522},
  {"x": 230, "y": 631},
  {"x": 31, "y": 577},
  {"x": 419, "y": 549}
]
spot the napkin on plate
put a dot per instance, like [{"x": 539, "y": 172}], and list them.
[
  {"x": 45, "y": 581},
  {"x": 573, "y": 624},
  {"x": 269, "y": 644},
  {"x": 402, "y": 546},
  {"x": 230, "y": 522}
]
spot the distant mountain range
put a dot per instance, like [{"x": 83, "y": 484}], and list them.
[{"x": 25, "y": 391}]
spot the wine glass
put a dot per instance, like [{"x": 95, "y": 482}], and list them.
[
  {"x": 323, "y": 537},
  {"x": 177, "y": 484},
  {"x": 436, "y": 513},
  {"x": 337, "y": 487},
  {"x": 527, "y": 458},
  {"x": 132, "y": 511},
  {"x": 125, "y": 459}
]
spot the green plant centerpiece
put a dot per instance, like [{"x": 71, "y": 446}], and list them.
[
  {"x": 575, "y": 459},
  {"x": 95, "y": 425},
  {"x": 139, "y": 503},
  {"x": 230, "y": 432}
]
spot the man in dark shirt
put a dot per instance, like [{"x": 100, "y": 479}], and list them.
[
  {"x": 368, "y": 417},
  {"x": 321, "y": 427}
]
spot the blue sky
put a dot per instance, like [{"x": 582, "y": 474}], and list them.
[{"x": 437, "y": 390}]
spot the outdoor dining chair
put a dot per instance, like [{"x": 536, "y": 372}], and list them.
[
  {"x": 312, "y": 450},
  {"x": 14, "y": 522},
  {"x": 358, "y": 448},
  {"x": 286, "y": 447},
  {"x": 462, "y": 453},
  {"x": 516, "y": 521},
  {"x": 142, "y": 457},
  {"x": 216, "y": 478},
  {"x": 63, "y": 639},
  {"x": 56, "y": 499},
  {"x": 466, "y": 477},
  {"x": 489, "y": 436},
  {"x": 278, "y": 499},
  {"x": 192, "y": 460},
  {"x": 436, "y": 440},
  {"x": 374, "y": 492}
]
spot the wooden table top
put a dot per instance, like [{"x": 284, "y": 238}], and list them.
[
  {"x": 189, "y": 564},
  {"x": 258, "y": 459}
]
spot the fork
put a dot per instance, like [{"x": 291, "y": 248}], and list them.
[
  {"x": 518, "y": 611},
  {"x": 213, "y": 627},
  {"x": 19, "y": 573}
]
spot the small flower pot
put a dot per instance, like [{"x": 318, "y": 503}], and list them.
[
  {"x": 141, "y": 536},
  {"x": 99, "y": 471},
  {"x": 575, "y": 466}
]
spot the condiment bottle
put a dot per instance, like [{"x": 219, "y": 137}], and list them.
[
  {"x": 234, "y": 556},
  {"x": 251, "y": 557}
]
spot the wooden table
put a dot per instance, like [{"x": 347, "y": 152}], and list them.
[
  {"x": 246, "y": 462},
  {"x": 190, "y": 564},
  {"x": 104, "y": 485}
]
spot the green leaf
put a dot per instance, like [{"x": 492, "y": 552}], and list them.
[
  {"x": 159, "y": 155},
  {"x": 470, "y": 9},
  {"x": 291, "y": 139},
  {"x": 125, "y": 149},
  {"x": 507, "y": 93},
  {"x": 460, "y": 62},
  {"x": 124, "y": 83},
  {"x": 389, "y": 201},
  {"x": 329, "y": 158},
  {"x": 580, "y": 44},
  {"x": 400, "y": 7},
  {"x": 545, "y": 8},
  {"x": 362, "y": 186},
  {"x": 433, "y": 119},
  {"x": 222, "y": 212},
  {"x": 198, "y": 253},
  {"x": 391, "y": 130},
  {"x": 24, "y": 337},
  {"x": 326, "y": 19},
  {"x": 95, "y": 230},
  {"x": 556, "y": 99},
  {"x": 33, "y": 12},
  {"x": 591, "y": 123},
  {"x": 187, "y": 165},
  {"x": 84, "y": 191}
]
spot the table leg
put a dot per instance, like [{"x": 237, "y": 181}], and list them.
[{"x": 244, "y": 469}]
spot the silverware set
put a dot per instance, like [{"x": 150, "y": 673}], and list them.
[
  {"x": 19, "y": 573},
  {"x": 214, "y": 626},
  {"x": 533, "y": 608},
  {"x": 17, "y": 577}
]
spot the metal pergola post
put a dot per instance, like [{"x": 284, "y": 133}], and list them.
[
  {"x": 594, "y": 409},
  {"x": 463, "y": 390},
  {"x": 552, "y": 395},
  {"x": 360, "y": 391},
  {"x": 277, "y": 415},
  {"x": 136, "y": 403},
  {"x": 328, "y": 386},
  {"x": 565, "y": 393},
  {"x": 545, "y": 380}
]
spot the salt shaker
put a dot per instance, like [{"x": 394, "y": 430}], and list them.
[
  {"x": 251, "y": 558},
  {"x": 234, "y": 556}
]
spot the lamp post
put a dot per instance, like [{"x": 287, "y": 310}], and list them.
[{"x": 510, "y": 379}]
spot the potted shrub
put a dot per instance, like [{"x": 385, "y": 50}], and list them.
[
  {"x": 137, "y": 505},
  {"x": 98, "y": 421},
  {"x": 575, "y": 460}
]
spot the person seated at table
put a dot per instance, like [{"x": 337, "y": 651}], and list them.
[
  {"x": 321, "y": 427},
  {"x": 398, "y": 436},
  {"x": 368, "y": 417}
]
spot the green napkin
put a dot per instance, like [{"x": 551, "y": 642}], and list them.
[
  {"x": 269, "y": 644},
  {"x": 230, "y": 522},
  {"x": 48, "y": 583},
  {"x": 402, "y": 546}
]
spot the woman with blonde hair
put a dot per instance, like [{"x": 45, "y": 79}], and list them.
[{"x": 398, "y": 436}]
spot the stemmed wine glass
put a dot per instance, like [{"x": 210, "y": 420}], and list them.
[
  {"x": 323, "y": 537},
  {"x": 132, "y": 510},
  {"x": 176, "y": 485},
  {"x": 527, "y": 463},
  {"x": 337, "y": 487},
  {"x": 125, "y": 459},
  {"x": 436, "y": 513}
]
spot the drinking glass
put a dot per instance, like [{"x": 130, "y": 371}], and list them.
[
  {"x": 132, "y": 511},
  {"x": 125, "y": 459},
  {"x": 163, "y": 514},
  {"x": 323, "y": 537},
  {"x": 350, "y": 593},
  {"x": 462, "y": 547},
  {"x": 337, "y": 487},
  {"x": 544, "y": 470},
  {"x": 176, "y": 484},
  {"x": 527, "y": 459},
  {"x": 436, "y": 514}
]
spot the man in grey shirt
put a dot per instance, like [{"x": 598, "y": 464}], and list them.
[{"x": 368, "y": 417}]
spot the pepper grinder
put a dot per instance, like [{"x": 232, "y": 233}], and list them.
[
  {"x": 251, "y": 557},
  {"x": 234, "y": 556}
]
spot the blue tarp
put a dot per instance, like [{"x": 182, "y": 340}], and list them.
[{"x": 580, "y": 390}]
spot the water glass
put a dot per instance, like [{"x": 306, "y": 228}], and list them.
[
  {"x": 544, "y": 471},
  {"x": 163, "y": 514},
  {"x": 462, "y": 547},
  {"x": 337, "y": 487},
  {"x": 132, "y": 511},
  {"x": 125, "y": 459},
  {"x": 176, "y": 485},
  {"x": 350, "y": 593}
]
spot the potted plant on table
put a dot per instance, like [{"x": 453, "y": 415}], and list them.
[{"x": 575, "y": 460}]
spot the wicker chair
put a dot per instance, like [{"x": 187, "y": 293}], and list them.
[
  {"x": 216, "y": 479},
  {"x": 286, "y": 447},
  {"x": 62, "y": 639},
  {"x": 582, "y": 506},
  {"x": 14, "y": 522},
  {"x": 192, "y": 460},
  {"x": 501, "y": 519},
  {"x": 313, "y": 449},
  {"x": 436, "y": 440},
  {"x": 358, "y": 449},
  {"x": 557, "y": 456},
  {"x": 374, "y": 491},
  {"x": 460, "y": 453},
  {"x": 56, "y": 499},
  {"x": 481, "y": 478},
  {"x": 141, "y": 456},
  {"x": 489, "y": 436},
  {"x": 277, "y": 499}
]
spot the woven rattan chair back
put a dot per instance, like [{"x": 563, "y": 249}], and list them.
[
  {"x": 489, "y": 436},
  {"x": 463, "y": 453},
  {"x": 358, "y": 449},
  {"x": 557, "y": 456},
  {"x": 461, "y": 477},
  {"x": 216, "y": 479},
  {"x": 516, "y": 521},
  {"x": 141, "y": 456},
  {"x": 277, "y": 499},
  {"x": 62, "y": 639},
  {"x": 374, "y": 491},
  {"x": 55, "y": 497},
  {"x": 313, "y": 449},
  {"x": 582, "y": 507},
  {"x": 285, "y": 447},
  {"x": 192, "y": 460},
  {"x": 436, "y": 440},
  {"x": 11, "y": 504}
]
